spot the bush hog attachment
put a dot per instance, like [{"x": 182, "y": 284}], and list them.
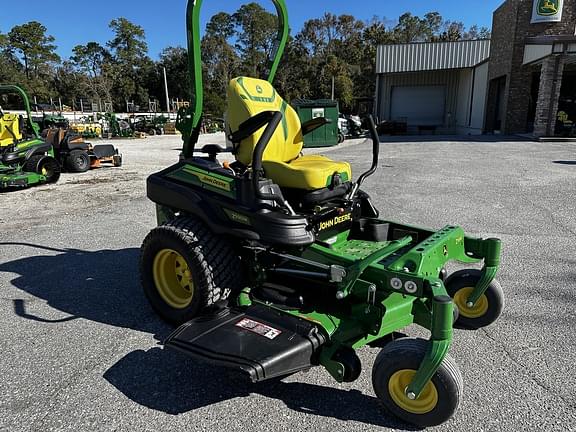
[{"x": 278, "y": 262}]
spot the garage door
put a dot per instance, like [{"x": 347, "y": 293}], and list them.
[{"x": 419, "y": 105}]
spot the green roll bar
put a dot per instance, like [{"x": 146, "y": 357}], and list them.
[
  {"x": 12, "y": 89},
  {"x": 189, "y": 119}
]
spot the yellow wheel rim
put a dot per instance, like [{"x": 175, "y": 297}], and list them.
[
  {"x": 476, "y": 311},
  {"x": 173, "y": 278},
  {"x": 44, "y": 171},
  {"x": 397, "y": 386}
]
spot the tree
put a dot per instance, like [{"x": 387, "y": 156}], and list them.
[
  {"x": 411, "y": 28},
  {"x": 131, "y": 66},
  {"x": 476, "y": 32},
  {"x": 221, "y": 25},
  {"x": 11, "y": 69},
  {"x": 90, "y": 58},
  {"x": 95, "y": 62},
  {"x": 293, "y": 76},
  {"x": 129, "y": 43},
  {"x": 331, "y": 48},
  {"x": 220, "y": 61},
  {"x": 375, "y": 33},
  {"x": 69, "y": 83},
  {"x": 175, "y": 60},
  {"x": 257, "y": 29},
  {"x": 4, "y": 42},
  {"x": 453, "y": 31},
  {"x": 35, "y": 47}
]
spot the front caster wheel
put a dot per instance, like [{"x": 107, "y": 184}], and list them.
[
  {"x": 393, "y": 371},
  {"x": 117, "y": 160},
  {"x": 185, "y": 268},
  {"x": 486, "y": 310}
]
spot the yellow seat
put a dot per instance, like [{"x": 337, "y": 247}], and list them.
[
  {"x": 282, "y": 161},
  {"x": 9, "y": 129}
]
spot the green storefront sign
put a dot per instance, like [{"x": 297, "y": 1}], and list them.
[{"x": 547, "y": 11}]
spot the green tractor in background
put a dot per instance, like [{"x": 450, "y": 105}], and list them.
[
  {"x": 115, "y": 127},
  {"x": 149, "y": 124},
  {"x": 25, "y": 159},
  {"x": 47, "y": 121}
]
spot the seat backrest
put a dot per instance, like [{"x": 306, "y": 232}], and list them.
[
  {"x": 248, "y": 97},
  {"x": 9, "y": 123}
]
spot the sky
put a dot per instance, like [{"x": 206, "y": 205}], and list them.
[{"x": 73, "y": 23}]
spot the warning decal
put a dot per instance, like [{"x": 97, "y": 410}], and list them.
[{"x": 259, "y": 328}]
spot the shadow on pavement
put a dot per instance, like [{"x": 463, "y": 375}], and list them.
[
  {"x": 101, "y": 286},
  {"x": 167, "y": 381},
  {"x": 561, "y": 162}
]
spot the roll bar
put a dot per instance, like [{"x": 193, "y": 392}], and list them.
[
  {"x": 12, "y": 89},
  {"x": 189, "y": 121}
]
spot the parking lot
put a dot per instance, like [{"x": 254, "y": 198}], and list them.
[{"x": 80, "y": 347}]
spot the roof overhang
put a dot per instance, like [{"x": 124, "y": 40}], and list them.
[
  {"x": 428, "y": 56},
  {"x": 537, "y": 49}
]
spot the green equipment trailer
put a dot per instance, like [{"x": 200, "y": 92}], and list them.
[
  {"x": 278, "y": 262},
  {"x": 25, "y": 159}
]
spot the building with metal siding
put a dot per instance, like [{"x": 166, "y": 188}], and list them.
[
  {"x": 433, "y": 87},
  {"x": 431, "y": 56},
  {"x": 523, "y": 80}
]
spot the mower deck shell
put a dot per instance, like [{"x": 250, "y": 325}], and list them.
[{"x": 260, "y": 341}]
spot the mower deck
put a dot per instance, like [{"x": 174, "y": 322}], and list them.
[
  {"x": 258, "y": 340},
  {"x": 10, "y": 179}
]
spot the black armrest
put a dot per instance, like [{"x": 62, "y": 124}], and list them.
[
  {"x": 312, "y": 125},
  {"x": 213, "y": 149},
  {"x": 252, "y": 125}
]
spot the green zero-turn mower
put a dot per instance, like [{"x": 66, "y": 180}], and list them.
[
  {"x": 278, "y": 262},
  {"x": 25, "y": 159}
]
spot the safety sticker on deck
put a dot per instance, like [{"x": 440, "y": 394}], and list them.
[{"x": 259, "y": 328}]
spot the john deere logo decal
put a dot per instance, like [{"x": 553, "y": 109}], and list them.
[
  {"x": 335, "y": 221},
  {"x": 547, "y": 11},
  {"x": 259, "y": 89},
  {"x": 548, "y": 7}
]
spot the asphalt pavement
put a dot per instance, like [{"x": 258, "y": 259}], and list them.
[{"x": 79, "y": 346}]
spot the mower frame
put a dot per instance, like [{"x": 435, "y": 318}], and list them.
[
  {"x": 382, "y": 276},
  {"x": 13, "y": 159}
]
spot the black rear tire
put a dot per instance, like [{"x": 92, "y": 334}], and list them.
[
  {"x": 402, "y": 357},
  {"x": 214, "y": 269},
  {"x": 78, "y": 161},
  {"x": 45, "y": 165}
]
